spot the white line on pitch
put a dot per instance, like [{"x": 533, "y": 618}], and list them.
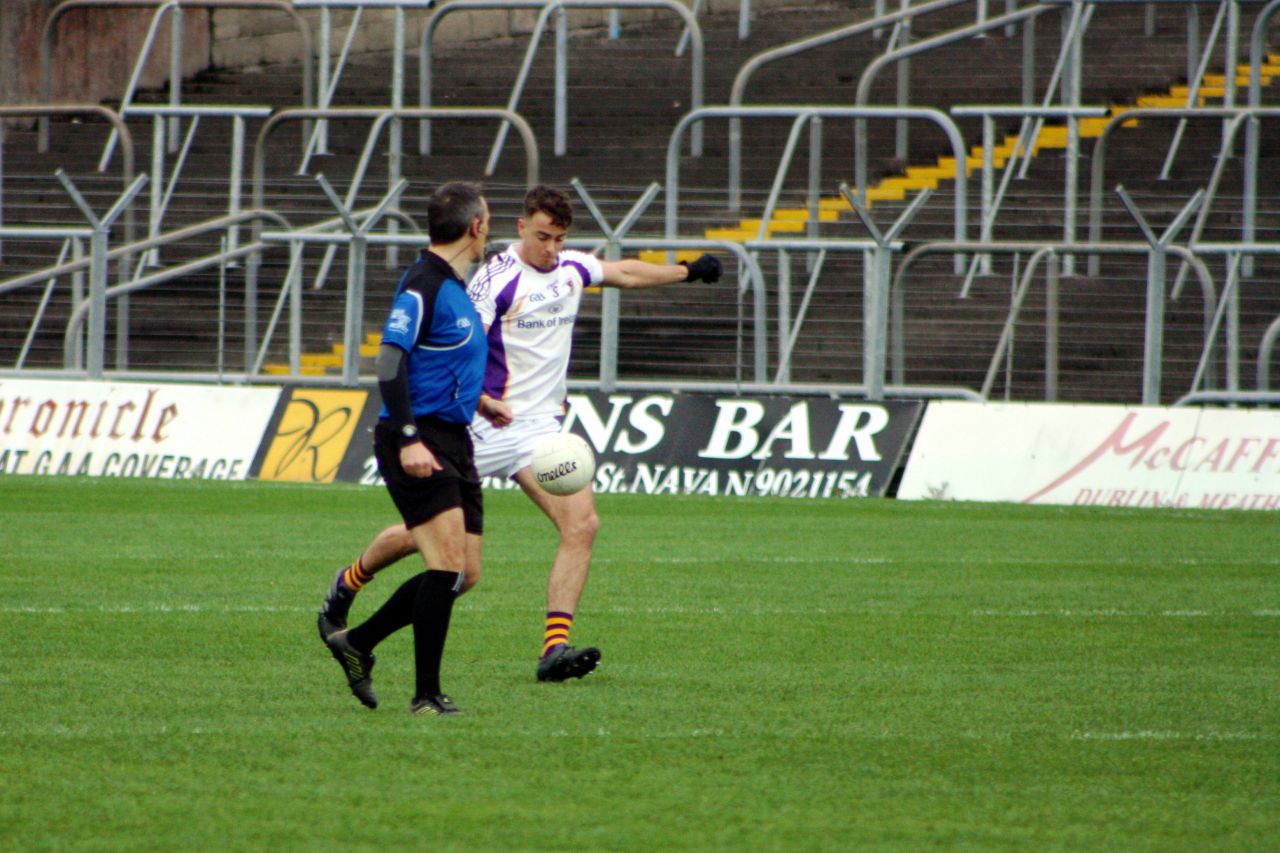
[
  {"x": 669, "y": 609},
  {"x": 1146, "y": 734},
  {"x": 1120, "y": 614}
]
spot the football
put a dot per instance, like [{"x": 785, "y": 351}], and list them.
[{"x": 563, "y": 463}]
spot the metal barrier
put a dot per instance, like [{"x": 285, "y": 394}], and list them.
[
  {"x": 380, "y": 118},
  {"x": 992, "y": 199},
  {"x": 162, "y": 189},
  {"x": 918, "y": 113},
  {"x": 1257, "y": 53},
  {"x": 874, "y": 67},
  {"x": 1264, "y": 354},
  {"x": 318, "y": 140},
  {"x": 94, "y": 306},
  {"x": 547, "y": 7},
  {"x": 1235, "y": 116},
  {"x": 1039, "y": 250},
  {"x": 45, "y": 110},
  {"x": 738, "y": 90},
  {"x": 754, "y": 280},
  {"x": 73, "y": 238}
]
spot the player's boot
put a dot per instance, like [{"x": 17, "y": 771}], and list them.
[
  {"x": 565, "y": 662},
  {"x": 356, "y": 665},
  {"x": 335, "y": 607},
  {"x": 438, "y": 705}
]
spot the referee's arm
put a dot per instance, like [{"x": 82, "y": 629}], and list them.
[{"x": 393, "y": 381}]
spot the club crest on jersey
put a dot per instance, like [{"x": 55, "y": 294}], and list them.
[{"x": 398, "y": 321}]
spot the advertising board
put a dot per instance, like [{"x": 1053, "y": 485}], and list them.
[
  {"x": 696, "y": 443},
  {"x": 1126, "y": 456},
  {"x": 131, "y": 429}
]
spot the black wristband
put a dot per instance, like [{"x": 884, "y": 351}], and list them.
[{"x": 408, "y": 434}]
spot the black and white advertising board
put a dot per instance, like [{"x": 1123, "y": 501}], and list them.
[{"x": 698, "y": 443}]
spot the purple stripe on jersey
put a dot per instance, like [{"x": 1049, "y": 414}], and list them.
[
  {"x": 495, "y": 370},
  {"x": 582, "y": 272}
]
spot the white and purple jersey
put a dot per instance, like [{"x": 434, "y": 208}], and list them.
[{"x": 530, "y": 315}]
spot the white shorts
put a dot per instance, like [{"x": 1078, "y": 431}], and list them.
[{"x": 501, "y": 452}]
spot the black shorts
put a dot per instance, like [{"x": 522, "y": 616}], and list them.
[{"x": 421, "y": 499}]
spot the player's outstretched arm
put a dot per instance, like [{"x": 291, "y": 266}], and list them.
[{"x": 632, "y": 273}]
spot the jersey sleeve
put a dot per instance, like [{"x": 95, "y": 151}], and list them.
[
  {"x": 483, "y": 291},
  {"x": 404, "y": 322},
  {"x": 586, "y": 265}
]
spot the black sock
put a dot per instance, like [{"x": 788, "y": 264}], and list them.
[
  {"x": 431, "y": 611},
  {"x": 389, "y": 618}
]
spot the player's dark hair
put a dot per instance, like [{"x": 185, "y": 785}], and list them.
[
  {"x": 551, "y": 201},
  {"x": 451, "y": 209}
]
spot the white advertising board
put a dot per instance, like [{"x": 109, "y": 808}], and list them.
[
  {"x": 128, "y": 429},
  {"x": 1146, "y": 456}
]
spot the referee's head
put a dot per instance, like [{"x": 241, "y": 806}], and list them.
[{"x": 452, "y": 209}]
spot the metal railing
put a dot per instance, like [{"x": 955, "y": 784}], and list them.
[
  {"x": 737, "y": 91},
  {"x": 863, "y": 95},
  {"x": 163, "y": 187},
  {"x": 546, "y": 9},
  {"x": 1219, "y": 309},
  {"x": 809, "y": 114},
  {"x": 380, "y": 117},
  {"x": 331, "y": 74},
  {"x": 1234, "y": 117},
  {"x": 221, "y": 258},
  {"x": 73, "y": 239},
  {"x": 1257, "y": 53},
  {"x": 44, "y": 111},
  {"x": 1022, "y": 151},
  {"x": 1154, "y": 322}
]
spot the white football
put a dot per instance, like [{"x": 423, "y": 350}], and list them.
[{"x": 563, "y": 463}]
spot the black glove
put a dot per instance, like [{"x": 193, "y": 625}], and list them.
[{"x": 706, "y": 268}]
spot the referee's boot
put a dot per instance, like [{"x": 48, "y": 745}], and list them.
[
  {"x": 356, "y": 665},
  {"x": 565, "y": 662},
  {"x": 438, "y": 705}
]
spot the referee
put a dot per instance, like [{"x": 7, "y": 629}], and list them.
[{"x": 430, "y": 368}]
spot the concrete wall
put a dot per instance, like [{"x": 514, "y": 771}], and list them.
[
  {"x": 94, "y": 50},
  {"x": 244, "y": 38}
]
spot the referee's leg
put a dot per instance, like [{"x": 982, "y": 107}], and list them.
[{"x": 442, "y": 541}]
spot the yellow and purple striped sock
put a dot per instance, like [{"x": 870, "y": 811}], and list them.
[
  {"x": 557, "y": 631},
  {"x": 355, "y": 576}
]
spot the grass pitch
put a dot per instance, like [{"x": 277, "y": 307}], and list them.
[{"x": 778, "y": 675}]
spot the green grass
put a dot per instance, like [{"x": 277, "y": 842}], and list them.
[{"x": 778, "y": 675}]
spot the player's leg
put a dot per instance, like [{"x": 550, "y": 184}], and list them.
[
  {"x": 353, "y": 648},
  {"x": 389, "y": 546},
  {"x": 577, "y": 522}
]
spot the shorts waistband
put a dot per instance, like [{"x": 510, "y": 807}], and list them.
[{"x": 428, "y": 422}]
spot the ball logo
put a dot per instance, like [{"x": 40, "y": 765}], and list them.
[
  {"x": 557, "y": 472},
  {"x": 563, "y": 464}
]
